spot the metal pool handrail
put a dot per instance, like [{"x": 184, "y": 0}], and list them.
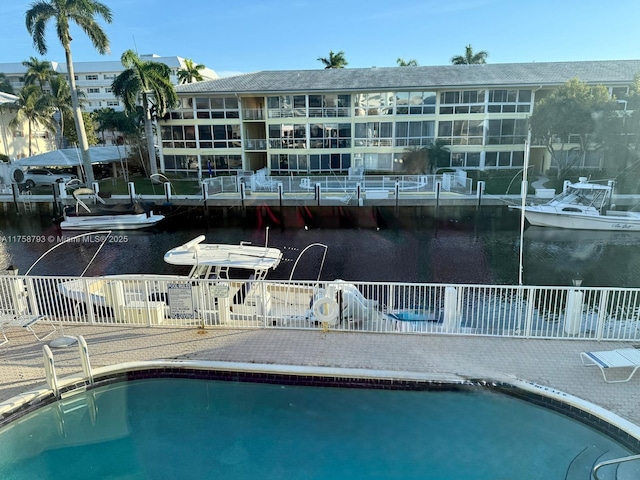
[{"x": 613, "y": 461}]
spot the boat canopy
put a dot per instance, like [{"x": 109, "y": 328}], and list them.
[{"x": 221, "y": 256}]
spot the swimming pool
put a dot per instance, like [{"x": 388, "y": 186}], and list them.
[{"x": 170, "y": 428}]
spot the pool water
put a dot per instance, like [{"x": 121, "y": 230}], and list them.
[{"x": 197, "y": 429}]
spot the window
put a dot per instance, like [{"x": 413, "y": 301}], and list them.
[
  {"x": 288, "y": 136},
  {"x": 112, "y": 103},
  {"x": 376, "y": 162},
  {"x": 415, "y": 103},
  {"x": 91, "y": 77},
  {"x": 330, "y": 135},
  {"x": 465, "y": 160},
  {"x": 415, "y": 133},
  {"x": 461, "y": 132},
  {"x": 108, "y": 90},
  {"x": 507, "y": 131},
  {"x": 212, "y": 107},
  {"x": 329, "y": 105},
  {"x": 287, "y": 162},
  {"x": 504, "y": 159},
  {"x": 373, "y": 134},
  {"x": 380, "y": 103},
  {"x": 109, "y": 76},
  {"x": 508, "y": 101},
  {"x": 329, "y": 162},
  {"x": 286, "y": 106},
  {"x": 465, "y": 101},
  {"x": 93, "y": 90}
]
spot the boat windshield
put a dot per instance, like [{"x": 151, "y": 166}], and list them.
[{"x": 582, "y": 196}]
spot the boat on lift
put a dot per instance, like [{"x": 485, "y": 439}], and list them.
[
  {"x": 99, "y": 216},
  {"x": 227, "y": 285},
  {"x": 582, "y": 206}
]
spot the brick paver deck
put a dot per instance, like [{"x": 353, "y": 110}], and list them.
[{"x": 552, "y": 363}]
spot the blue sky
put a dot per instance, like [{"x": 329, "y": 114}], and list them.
[{"x": 234, "y": 36}]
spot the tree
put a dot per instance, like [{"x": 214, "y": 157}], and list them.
[
  {"x": 39, "y": 71},
  {"x": 576, "y": 110},
  {"x": 470, "y": 57},
  {"x": 150, "y": 83},
  {"x": 61, "y": 101},
  {"x": 5, "y": 84},
  {"x": 71, "y": 134},
  {"x": 439, "y": 154},
  {"x": 191, "y": 72},
  {"x": 335, "y": 60},
  {"x": 82, "y": 13},
  {"x": 406, "y": 63},
  {"x": 33, "y": 108},
  {"x": 416, "y": 160}
]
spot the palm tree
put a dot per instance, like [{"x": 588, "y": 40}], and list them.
[
  {"x": 470, "y": 57},
  {"x": 406, "y": 63},
  {"x": 191, "y": 72},
  {"x": 33, "y": 108},
  {"x": 62, "y": 13},
  {"x": 5, "y": 84},
  {"x": 335, "y": 60},
  {"x": 38, "y": 71},
  {"x": 150, "y": 83}
]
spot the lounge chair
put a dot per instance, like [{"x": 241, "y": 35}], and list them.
[
  {"x": 23, "y": 321},
  {"x": 621, "y": 358}
]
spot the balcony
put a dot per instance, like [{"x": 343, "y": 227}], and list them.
[
  {"x": 255, "y": 144},
  {"x": 253, "y": 114}
]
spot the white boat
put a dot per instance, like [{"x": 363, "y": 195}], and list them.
[
  {"x": 118, "y": 217},
  {"x": 219, "y": 290},
  {"x": 582, "y": 206}
]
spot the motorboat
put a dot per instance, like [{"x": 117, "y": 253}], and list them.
[
  {"x": 227, "y": 285},
  {"x": 582, "y": 206},
  {"x": 98, "y": 216}
]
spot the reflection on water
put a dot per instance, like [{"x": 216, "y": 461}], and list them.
[{"x": 450, "y": 254}]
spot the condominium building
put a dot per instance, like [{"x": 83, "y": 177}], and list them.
[
  {"x": 94, "y": 80},
  {"x": 331, "y": 120}
]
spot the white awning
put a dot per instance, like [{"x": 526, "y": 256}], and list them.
[
  {"x": 7, "y": 98},
  {"x": 71, "y": 157}
]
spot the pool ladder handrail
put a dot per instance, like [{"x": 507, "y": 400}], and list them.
[
  {"x": 50, "y": 369},
  {"x": 613, "y": 461}
]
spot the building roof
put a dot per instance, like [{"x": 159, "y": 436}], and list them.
[{"x": 448, "y": 76}]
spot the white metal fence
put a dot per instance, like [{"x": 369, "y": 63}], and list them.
[{"x": 509, "y": 311}]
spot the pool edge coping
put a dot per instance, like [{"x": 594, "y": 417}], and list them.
[{"x": 17, "y": 406}]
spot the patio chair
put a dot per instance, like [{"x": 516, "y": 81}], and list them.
[
  {"x": 621, "y": 358},
  {"x": 23, "y": 321}
]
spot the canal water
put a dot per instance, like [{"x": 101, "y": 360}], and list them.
[{"x": 389, "y": 248}]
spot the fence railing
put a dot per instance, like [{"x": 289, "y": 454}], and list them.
[
  {"x": 378, "y": 186},
  {"x": 411, "y": 308}
]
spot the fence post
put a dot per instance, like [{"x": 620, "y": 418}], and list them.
[
  {"x": 450, "y": 323},
  {"x": 280, "y": 193},
  {"x": 132, "y": 191},
  {"x": 397, "y": 192},
  {"x": 167, "y": 191},
  {"x": 573, "y": 312},
  {"x": 318, "y": 192},
  {"x": 602, "y": 314},
  {"x": 438, "y": 189}
]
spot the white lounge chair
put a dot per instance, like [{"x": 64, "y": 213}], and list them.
[
  {"x": 23, "y": 321},
  {"x": 621, "y": 358}
]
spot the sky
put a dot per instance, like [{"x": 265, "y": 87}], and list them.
[{"x": 242, "y": 36}]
